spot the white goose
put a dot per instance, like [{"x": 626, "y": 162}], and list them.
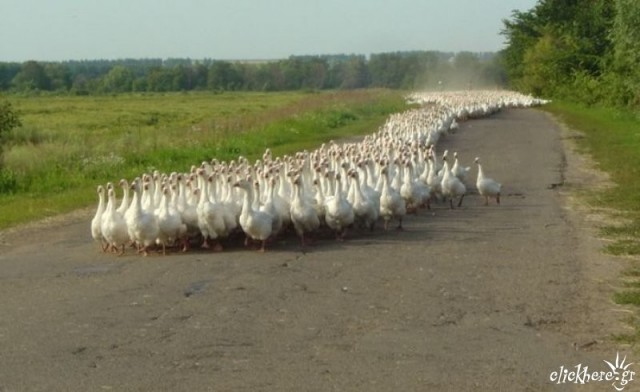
[
  {"x": 256, "y": 224},
  {"x": 319, "y": 203},
  {"x": 142, "y": 225},
  {"x": 170, "y": 223},
  {"x": 210, "y": 215},
  {"x": 281, "y": 199},
  {"x": 339, "y": 212},
  {"x": 434, "y": 181},
  {"x": 365, "y": 210},
  {"x": 270, "y": 208},
  {"x": 414, "y": 192},
  {"x": 124, "y": 204},
  {"x": 114, "y": 227},
  {"x": 458, "y": 170},
  {"x": 487, "y": 187},
  {"x": 391, "y": 203},
  {"x": 303, "y": 216},
  {"x": 452, "y": 187},
  {"x": 188, "y": 209},
  {"x": 96, "y": 222}
]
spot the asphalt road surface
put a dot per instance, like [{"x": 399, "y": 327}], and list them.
[{"x": 477, "y": 298}]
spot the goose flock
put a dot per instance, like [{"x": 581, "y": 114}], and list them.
[{"x": 336, "y": 188}]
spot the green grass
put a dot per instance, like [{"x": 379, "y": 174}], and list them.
[
  {"x": 612, "y": 138},
  {"x": 68, "y": 144}
]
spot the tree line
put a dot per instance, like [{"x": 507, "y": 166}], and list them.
[
  {"x": 397, "y": 70},
  {"x": 582, "y": 50}
]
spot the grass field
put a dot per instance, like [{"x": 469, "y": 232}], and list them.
[
  {"x": 612, "y": 138},
  {"x": 68, "y": 145}
]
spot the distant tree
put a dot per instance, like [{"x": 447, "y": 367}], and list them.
[
  {"x": 275, "y": 79},
  {"x": 267, "y": 77},
  {"x": 316, "y": 74},
  {"x": 159, "y": 79},
  {"x": 182, "y": 78},
  {"x": 8, "y": 71},
  {"x": 385, "y": 71},
  {"x": 200, "y": 71},
  {"x": 466, "y": 70},
  {"x": 32, "y": 76},
  {"x": 118, "y": 80},
  {"x": 355, "y": 73},
  {"x": 59, "y": 76},
  {"x": 82, "y": 84},
  {"x": 493, "y": 74},
  {"x": 224, "y": 76},
  {"x": 140, "y": 84}
]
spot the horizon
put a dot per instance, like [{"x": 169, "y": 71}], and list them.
[{"x": 250, "y": 60}]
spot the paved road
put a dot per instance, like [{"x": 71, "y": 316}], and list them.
[{"x": 478, "y": 298}]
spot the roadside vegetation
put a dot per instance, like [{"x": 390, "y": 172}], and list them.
[
  {"x": 612, "y": 138},
  {"x": 585, "y": 55},
  {"x": 67, "y": 145}
]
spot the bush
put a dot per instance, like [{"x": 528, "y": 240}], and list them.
[
  {"x": 585, "y": 88},
  {"x": 8, "y": 181},
  {"x": 8, "y": 118}
]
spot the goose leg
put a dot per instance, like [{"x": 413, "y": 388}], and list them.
[
  {"x": 205, "y": 243},
  {"x": 498, "y": 198},
  {"x": 460, "y": 202},
  {"x": 164, "y": 249},
  {"x": 264, "y": 242},
  {"x": 400, "y": 228},
  {"x": 122, "y": 252},
  {"x": 451, "y": 203},
  {"x": 185, "y": 244},
  {"x": 486, "y": 200},
  {"x": 217, "y": 247}
]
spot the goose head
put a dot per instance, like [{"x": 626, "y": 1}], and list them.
[
  {"x": 243, "y": 184},
  {"x": 135, "y": 184}
]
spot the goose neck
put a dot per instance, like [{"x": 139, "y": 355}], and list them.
[
  {"x": 480, "y": 172},
  {"x": 246, "y": 201}
]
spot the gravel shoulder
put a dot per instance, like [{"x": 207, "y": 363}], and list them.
[{"x": 476, "y": 298}]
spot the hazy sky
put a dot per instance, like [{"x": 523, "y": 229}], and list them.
[{"x": 245, "y": 29}]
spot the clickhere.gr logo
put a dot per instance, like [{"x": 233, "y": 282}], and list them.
[
  {"x": 623, "y": 376},
  {"x": 618, "y": 374}
]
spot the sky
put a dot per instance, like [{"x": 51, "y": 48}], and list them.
[{"x": 57, "y": 30}]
